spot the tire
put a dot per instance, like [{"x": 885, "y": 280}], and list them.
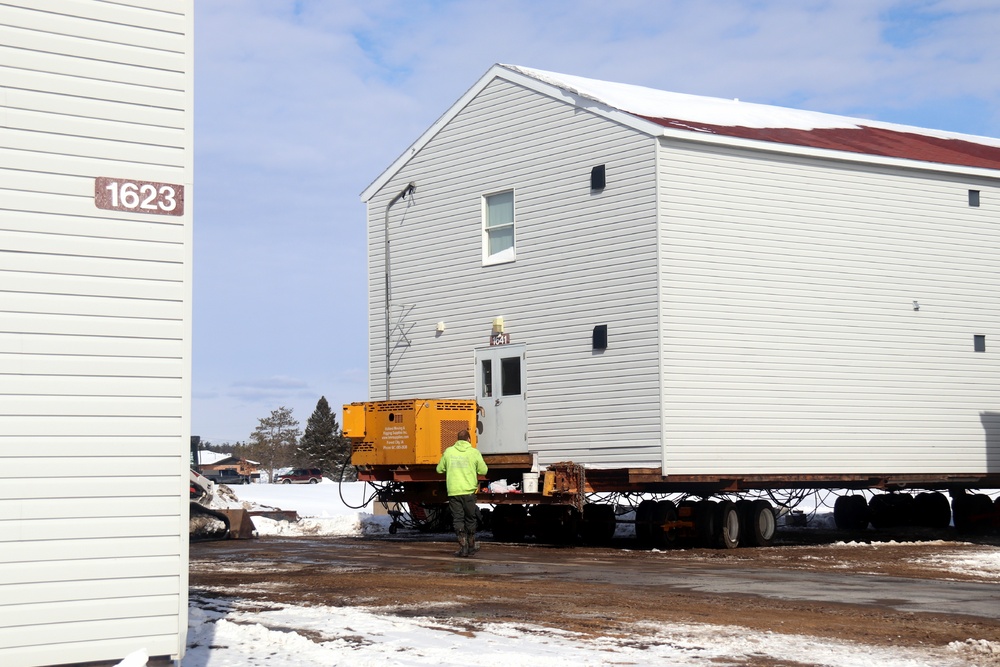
[
  {"x": 644, "y": 523},
  {"x": 759, "y": 526},
  {"x": 882, "y": 512},
  {"x": 664, "y": 512},
  {"x": 599, "y": 524},
  {"x": 555, "y": 524},
  {"x": 286, "y": 481},
  {"x": 313, "y": 480},
  {"x": 931, "y": 509},
  {"x": 704, "y": 523},
  {"x": 973, "y": 513},
  {"x": 508, "y": 523},
  {"x": 851, "y": 513},
  {"x": 727, "y": 525},
  {"x": 891, "y": 510}
]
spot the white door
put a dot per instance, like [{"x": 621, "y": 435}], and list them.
[{"x": 500, "y": 384}]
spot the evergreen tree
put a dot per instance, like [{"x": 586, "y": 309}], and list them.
[
  {"x": 324, "y": 445},
  {"x": 274, "y": 443}
]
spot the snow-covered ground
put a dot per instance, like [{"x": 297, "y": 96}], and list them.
[{"x": 224, "y": 633}]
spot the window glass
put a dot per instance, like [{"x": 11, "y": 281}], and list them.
[
  {"x": 487, "y": 388},
  {"x": 499, "y": 226},
  {"x": 510, "y": 376}
]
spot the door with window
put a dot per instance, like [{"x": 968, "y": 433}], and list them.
[{"x": 500, "y": 382}]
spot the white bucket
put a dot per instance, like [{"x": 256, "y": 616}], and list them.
[{"x": 529, "y": 482}]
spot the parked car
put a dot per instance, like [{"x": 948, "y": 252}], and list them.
[
  {"x": 226, "y": 476},
  {"x": 300, "y": 476}
]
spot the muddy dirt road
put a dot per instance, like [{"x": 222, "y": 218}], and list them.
[{"x": 886, "y": 594}]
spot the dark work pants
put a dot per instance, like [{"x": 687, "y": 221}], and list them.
[{"x": 463, "y": 513}]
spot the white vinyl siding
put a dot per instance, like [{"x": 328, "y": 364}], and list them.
[
  {"x": 791, "y": 344},
  {"x": 94, "y": 331},
  {"x": 583, "y": 259}
]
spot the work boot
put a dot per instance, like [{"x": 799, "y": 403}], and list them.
[
  {"x": 473, "y": 545},
  {"x": 463, "y": 543}
]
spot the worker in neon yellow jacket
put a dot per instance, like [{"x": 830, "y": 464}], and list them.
[{"x": 462, "y": 464}]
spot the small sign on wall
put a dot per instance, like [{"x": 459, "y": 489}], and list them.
[
  {"x": 499, "y": 339},
  {"x": 121, "y": 194}
]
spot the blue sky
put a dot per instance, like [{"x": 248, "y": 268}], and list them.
[{"x": 301, "y": 104}]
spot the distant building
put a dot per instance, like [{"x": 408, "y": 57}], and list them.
[{"x": 209, "y": 461}]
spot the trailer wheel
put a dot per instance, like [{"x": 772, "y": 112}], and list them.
[
  {"x": 508, "y": 523},
  {"x": 931, "y": 509},
  {"x": 758, "y": 524},
  {"x": 644, "y": 523},
  {"x": 727, "y": 525},
  {"x": 851, "y": 513},
  {"x": 704, "y": 523},
  {"x": 664, "y": 512},
  {"x": 891, "y": 510},
  {"x": 598, "y": 524},
  {"x": 556, "y": 524},
  {"x": 972, "y": 513}
]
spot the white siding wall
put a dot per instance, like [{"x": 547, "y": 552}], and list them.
[
  {"x": 790, "y": 340},
  {"x": 583, "y": 259},
  {"x": 94, "y": 331}
]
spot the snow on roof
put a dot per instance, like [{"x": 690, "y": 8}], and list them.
[
  {"x": 208, "y": 457},
  {"x": 748, "y": 120}
]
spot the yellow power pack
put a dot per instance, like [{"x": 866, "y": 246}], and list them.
[{"x": 406, "y": 432}]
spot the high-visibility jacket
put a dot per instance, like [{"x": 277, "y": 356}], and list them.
[{"x": 462, "y": 463}]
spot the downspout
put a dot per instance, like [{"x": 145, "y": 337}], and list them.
[{"x": 408, "y": 190}]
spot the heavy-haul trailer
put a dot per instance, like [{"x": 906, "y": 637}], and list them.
[
  {"x": 653, "y": 293},
  {"x": 396, "y": 445}
]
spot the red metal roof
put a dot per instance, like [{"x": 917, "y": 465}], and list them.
[{"x": 861, "y": 139}]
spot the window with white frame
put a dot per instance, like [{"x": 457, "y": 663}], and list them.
[{"x": 498, "y": 227}]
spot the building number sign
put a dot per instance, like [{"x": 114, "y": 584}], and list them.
[
  {"x": 119, "y": 194},
  {"x": 499, "y": 339}
]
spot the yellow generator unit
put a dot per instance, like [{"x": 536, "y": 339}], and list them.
[{"x": 407, "y": 432}]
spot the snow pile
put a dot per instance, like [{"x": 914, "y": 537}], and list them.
[
  {"x": 329, "y": 508},
  {"x": 235, "y": 633},
  {"x": 984, "y": 564}
]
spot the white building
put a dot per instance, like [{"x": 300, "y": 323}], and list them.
[
  {"x": 95, "y": 328},
  {"x": 693, "y": 286}
]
